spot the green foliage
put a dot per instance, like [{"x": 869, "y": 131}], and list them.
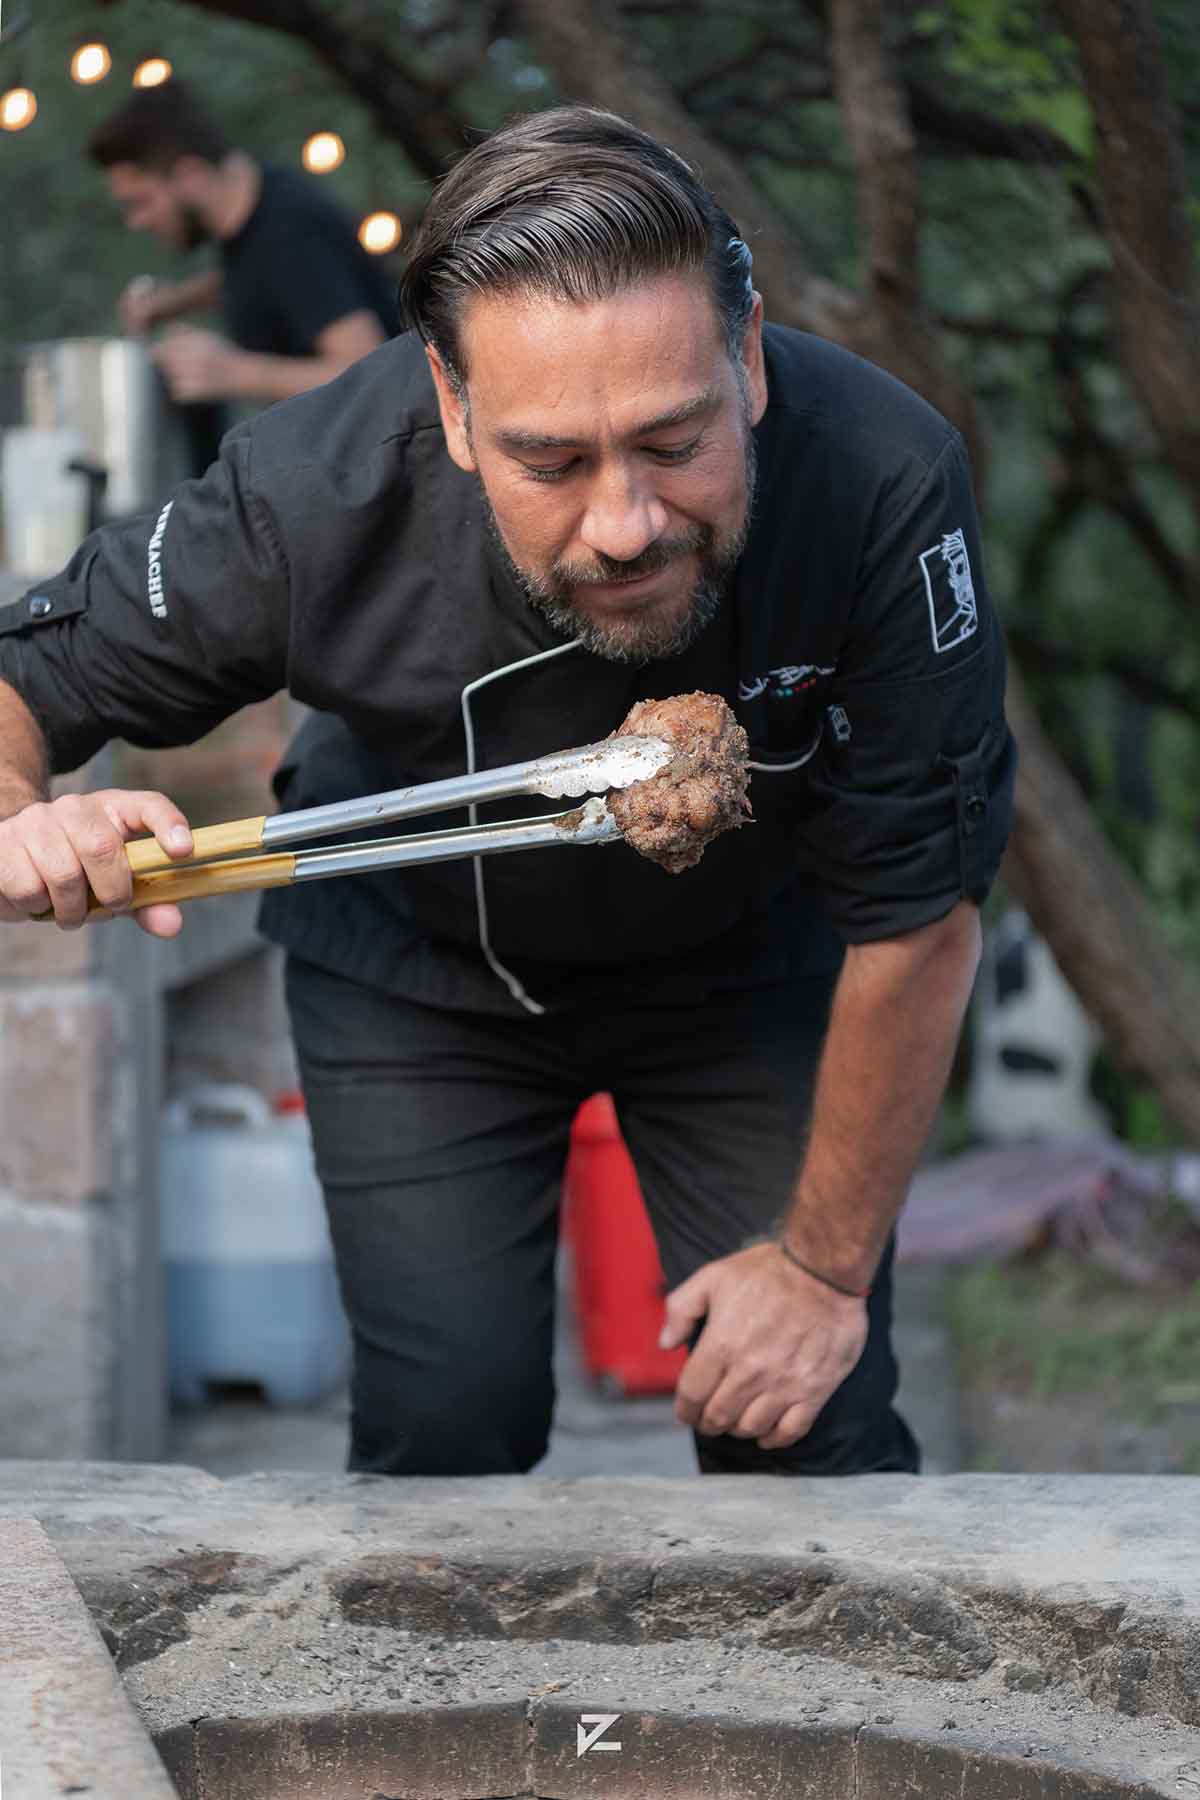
[
  {"x": 1002, "y": 48},
  {"x": 1056, "y": 1327}
]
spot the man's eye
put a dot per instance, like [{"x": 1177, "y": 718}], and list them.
[
  {"x": 555, "y": 473},
  {"x": 679, "y": 453}
]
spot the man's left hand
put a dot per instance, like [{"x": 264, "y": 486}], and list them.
[
  {"x": 774, "y": 1347},
  {"x": 197, "y": 365}
]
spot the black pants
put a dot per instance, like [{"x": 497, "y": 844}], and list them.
[{"x": 440, "y": 1139}]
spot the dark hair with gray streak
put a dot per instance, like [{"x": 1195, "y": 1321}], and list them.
[{"x": 575, "y": 204}]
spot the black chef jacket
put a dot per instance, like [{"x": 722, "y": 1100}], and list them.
[
  {"x": 295, "y": 268},
  {"x": 335, "y": 549}
]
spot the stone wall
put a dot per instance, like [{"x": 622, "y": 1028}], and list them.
[{"x": 80, "y": 1327}]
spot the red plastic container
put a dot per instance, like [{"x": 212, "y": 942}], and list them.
[{"x": 617, "y": 1279}]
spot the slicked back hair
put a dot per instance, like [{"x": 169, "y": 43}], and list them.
[{"x": 570, "y": 204}]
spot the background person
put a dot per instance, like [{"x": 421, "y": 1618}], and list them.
[
  {"x": 589, "y": 476},
  {"x": 301, "y": 297}
]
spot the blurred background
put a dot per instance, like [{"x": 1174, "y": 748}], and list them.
[{"x": 998, "y": 201}]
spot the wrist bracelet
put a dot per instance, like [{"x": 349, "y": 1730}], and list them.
[{"x": 849, "y": 1292}]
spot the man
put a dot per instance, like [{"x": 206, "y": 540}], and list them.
[
  {"x": 301, "y": 297},
  {"x": 588, "y": 476}
]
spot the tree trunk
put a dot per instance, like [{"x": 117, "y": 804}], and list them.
[
  {"x": 1107, "y": 941},
  {"x": 1143, "y": 182}
]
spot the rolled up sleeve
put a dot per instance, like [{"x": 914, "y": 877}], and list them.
[
  {"x": 910, "y": 795},
  {"x": 159, "y": 627}
]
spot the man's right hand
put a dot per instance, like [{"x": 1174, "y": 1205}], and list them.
[
  {"x": 146, "y": 303},
  {"x": 53, "y": 852}
]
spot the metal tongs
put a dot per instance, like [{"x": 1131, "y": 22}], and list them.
[{"x": 219, "y": 863}]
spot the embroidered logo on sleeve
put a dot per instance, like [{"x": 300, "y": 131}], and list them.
[
  {"x": 953, "y": 613},
  {"x": 154, "y": 569}
]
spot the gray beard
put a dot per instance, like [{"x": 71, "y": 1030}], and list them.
[{"x": 643, "y": 640}]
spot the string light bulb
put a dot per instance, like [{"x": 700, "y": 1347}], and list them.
[
  {"x": 90, "y": 63},
  {"x": 18, "y": 108},
  {"x": 323, "y": 151},
  {"x": 380, "y": 232},
  {"x": 152, "y": 71}
]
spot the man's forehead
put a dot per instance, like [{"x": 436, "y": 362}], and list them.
[
  {"x": 128, "y": 178},
  {"x": 647, "y": 352}
]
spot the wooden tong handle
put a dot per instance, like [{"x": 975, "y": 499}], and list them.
[
  {"x": 196, "y": 881},
  {"x": 237, "y": 875},
  {"x": 234, "y": 839}
]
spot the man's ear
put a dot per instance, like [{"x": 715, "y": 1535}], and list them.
[
  {"x": 454, "y": 414},
  {"x": 752, "y": 357}
]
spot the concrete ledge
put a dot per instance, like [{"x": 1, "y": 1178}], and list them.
[
  {"x": 974, "y": 1636},
  {"x": 533, "y": 1749},
  {"x": 426, "y": 1756},
  {"x": 66, "y": 1726}
]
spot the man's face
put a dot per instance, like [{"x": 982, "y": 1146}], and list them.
[
  {"x": 612, "y": 440},
  {"x": 160, "y": 203}
]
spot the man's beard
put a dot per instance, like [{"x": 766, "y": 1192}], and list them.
[
  {"x": 642, "y": 637},
  {"x": 193, "y": 230}
]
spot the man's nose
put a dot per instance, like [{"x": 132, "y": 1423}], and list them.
[{"x": 623, "y": 516}]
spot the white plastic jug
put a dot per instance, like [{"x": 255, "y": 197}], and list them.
[
  {"x": 44, "y": 504},
  {"x": 252, "y": 1294}
]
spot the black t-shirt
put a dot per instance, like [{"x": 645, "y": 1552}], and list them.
[
  {"x": 336, "y": 550},
  {"x": 296, "y": 267}
]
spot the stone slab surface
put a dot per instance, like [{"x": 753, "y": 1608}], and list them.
[
  {"x": 66, "y": 1724},
  {"x": 1044, "y": 1626},
  {"x": 54, "y": 1399}
]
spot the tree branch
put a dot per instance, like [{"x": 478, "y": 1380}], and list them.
[
  {"x": 407, "y": 107},
  {"x": 883, "y": 148},
  {"x": 1140, "y": 165},
  {"x": 973, "y": 132},
  {"x": 1102, "y": 929},
  {"x": 1037, "y": 651},
  {"x": 1102, "y": 471}
]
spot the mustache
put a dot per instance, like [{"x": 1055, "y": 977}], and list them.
[{"x": 655, "y": 556}]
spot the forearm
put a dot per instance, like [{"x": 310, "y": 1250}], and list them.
[
  {"x": 279, "y": 377},
  {"x": 200, "y": 293},
  {"x": 23, "y": 763},
  {"x": 897, "y": 1013}
]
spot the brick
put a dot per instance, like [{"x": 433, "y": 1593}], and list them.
[
  {"x": 447, "y": 1753},
  {"x": 689, "y": 1756},
  {"x": 53, "y": 1370},
  {"x": 892, "y": 1764},
  {"x": 59, "y": 1055}
]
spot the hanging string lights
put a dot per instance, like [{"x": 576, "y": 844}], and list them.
[
  {"x": 322, "y": 152},
  {"x": 18, "y": 102},
  {"x": 18, "y": 108},
  {"x": 90, "y": 63},
  {"x": 380, "y": 232},
  {"x": 152, "y": 71}
]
